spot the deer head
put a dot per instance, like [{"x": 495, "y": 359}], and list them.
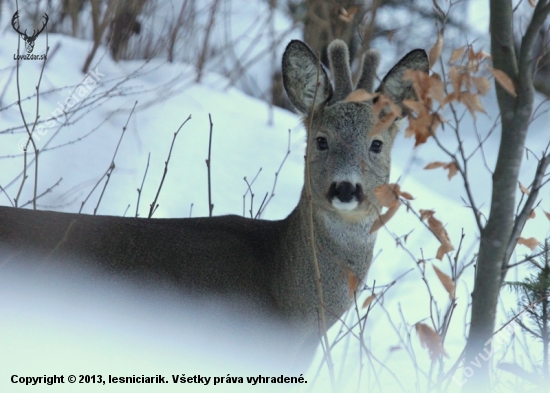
[
  {"x": 29, "y": 40},
  {"x": 346, "y": 161}
]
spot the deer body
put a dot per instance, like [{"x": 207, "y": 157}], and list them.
[{"x": 269, "y": 265}]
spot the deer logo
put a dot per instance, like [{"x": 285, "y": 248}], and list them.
[{"x": 29, "y": 40}]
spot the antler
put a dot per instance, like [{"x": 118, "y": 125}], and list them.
[
  {"x": 338, "y": 55},
  {"x": 368, "y": 74},
  {"x": 14, "y": 20},
  {"x": 35, "y": 33}
]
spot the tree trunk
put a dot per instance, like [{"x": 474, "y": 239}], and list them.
[
  {"x": 498, "y": 236},
  {"x": 125, "y": 24}
]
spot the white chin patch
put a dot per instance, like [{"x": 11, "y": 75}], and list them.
[{"x": 347, "y": 206}]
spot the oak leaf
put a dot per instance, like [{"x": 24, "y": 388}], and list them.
[
  {"x": 456, "y": 80},
  {"x": 388, "y": 196},
  {"x": 384, "y": 218},
  {"x": 368, "y": 300},
  {"x": 435, "y": 50},
  {"x": 431, "y": 340},
  {"x": 546, "y": 214},
  {"x": 450, "y": 166},
  {"x": 347, "y": 15},
  {"x": 381, "y": 104},
  {"x": 447, "y": 282},
  {"x": 532, "y": 243},
  {"x": 482, "y": 84},
  {"x": 523, "y": 189},
  {"x": 382, "y": 124},
  {"x": 360, "y": 95},
  {"x": 532, "y": 214},
  {"x": 353, "y": 283},
  {"x": 414, "y": 105},
  {"x": 439, "y": 231},
  {"x": 504, "y": 81},
  {"x": 472, "y": 102},
  {"x": 457, "y": 54}
]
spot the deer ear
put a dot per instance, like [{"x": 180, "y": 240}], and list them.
[
  {"x": 300, "y": 69},
  {"x": 393, "y": 84}
]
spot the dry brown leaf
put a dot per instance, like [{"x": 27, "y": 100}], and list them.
[
  {"x": 450, "y": 98},
  {"x": 381, "y": 103},
  {"x": 353, "y": 283},
  {"x": 533, "y": 3},
  {"x": 532, "y": 214},
  {"x": 387, "y": 194},
  {"x": 368, "y": 300},
  {"x": 439, "y": 231},
  {"x": 423, "y": 126},
  {"x": 414, "y": 105},
  {"x": 532, "y": 243},
  {"x": 431, "y": 340},
  {"x": 436, "y": 89},
  {"x": 456, "y": 79},
  {"x": 471, "y": 54},
  {"x": 447, "y": 282},
  {"x": 384, "y": 218},
  {"x": 360, "y": 95},
  {"x": 457, "y": 54},
  {"x": 406, "y": 195},
  {"x": 546, "y": 214},
  {"x": 467, "y": 80},
  {"x": 347, "y": 15},
  {"x": 472, "y": 102},
  {"x": 382, "y": 124},
  {"x": 482, "y": 84},
  {"x": 435, "y": 164},
  {"x": 504, "y": 81},
  {"x": 443, "y": 249},
  {"x": 426, "y": 213},
  {"x": 523, "y": 189},
  {"x": 435, "y": 50},
  {"x": 450, "y": 166}
]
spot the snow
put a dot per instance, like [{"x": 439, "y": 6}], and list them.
[{"x": 246, "y": 137}]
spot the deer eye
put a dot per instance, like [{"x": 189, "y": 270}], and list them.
[
  {"x": 322, "y": 143},
  {"x": 376, "y": 146}
]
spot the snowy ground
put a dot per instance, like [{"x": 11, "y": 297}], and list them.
[{"x": 244, "y": 141}]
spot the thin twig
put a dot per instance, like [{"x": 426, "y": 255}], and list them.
[
  {"x": 249, "y": 188},
  {"x": 208, "y": 168},
  {"x": 526, "y": 211},
  {"x": 154, "y": 204},
  {"x": 112, "y": 167},
  {"x": 44, "y": 193},
  {"x": 318, "y": 281},
  {"x": 142, "y": 182},
  {"x": 260, "y": 212}
]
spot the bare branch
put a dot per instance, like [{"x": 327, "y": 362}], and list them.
[
  {"x": 526, "y": 211},
  {"x": 154, "y": 204}
]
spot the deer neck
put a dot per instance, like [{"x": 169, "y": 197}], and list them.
[{"x": 343, "y": 248}]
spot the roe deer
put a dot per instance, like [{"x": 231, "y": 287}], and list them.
[{"x": 266, "y": 264}]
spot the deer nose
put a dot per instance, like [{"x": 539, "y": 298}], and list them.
[{"x": 346, "y": 192}]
